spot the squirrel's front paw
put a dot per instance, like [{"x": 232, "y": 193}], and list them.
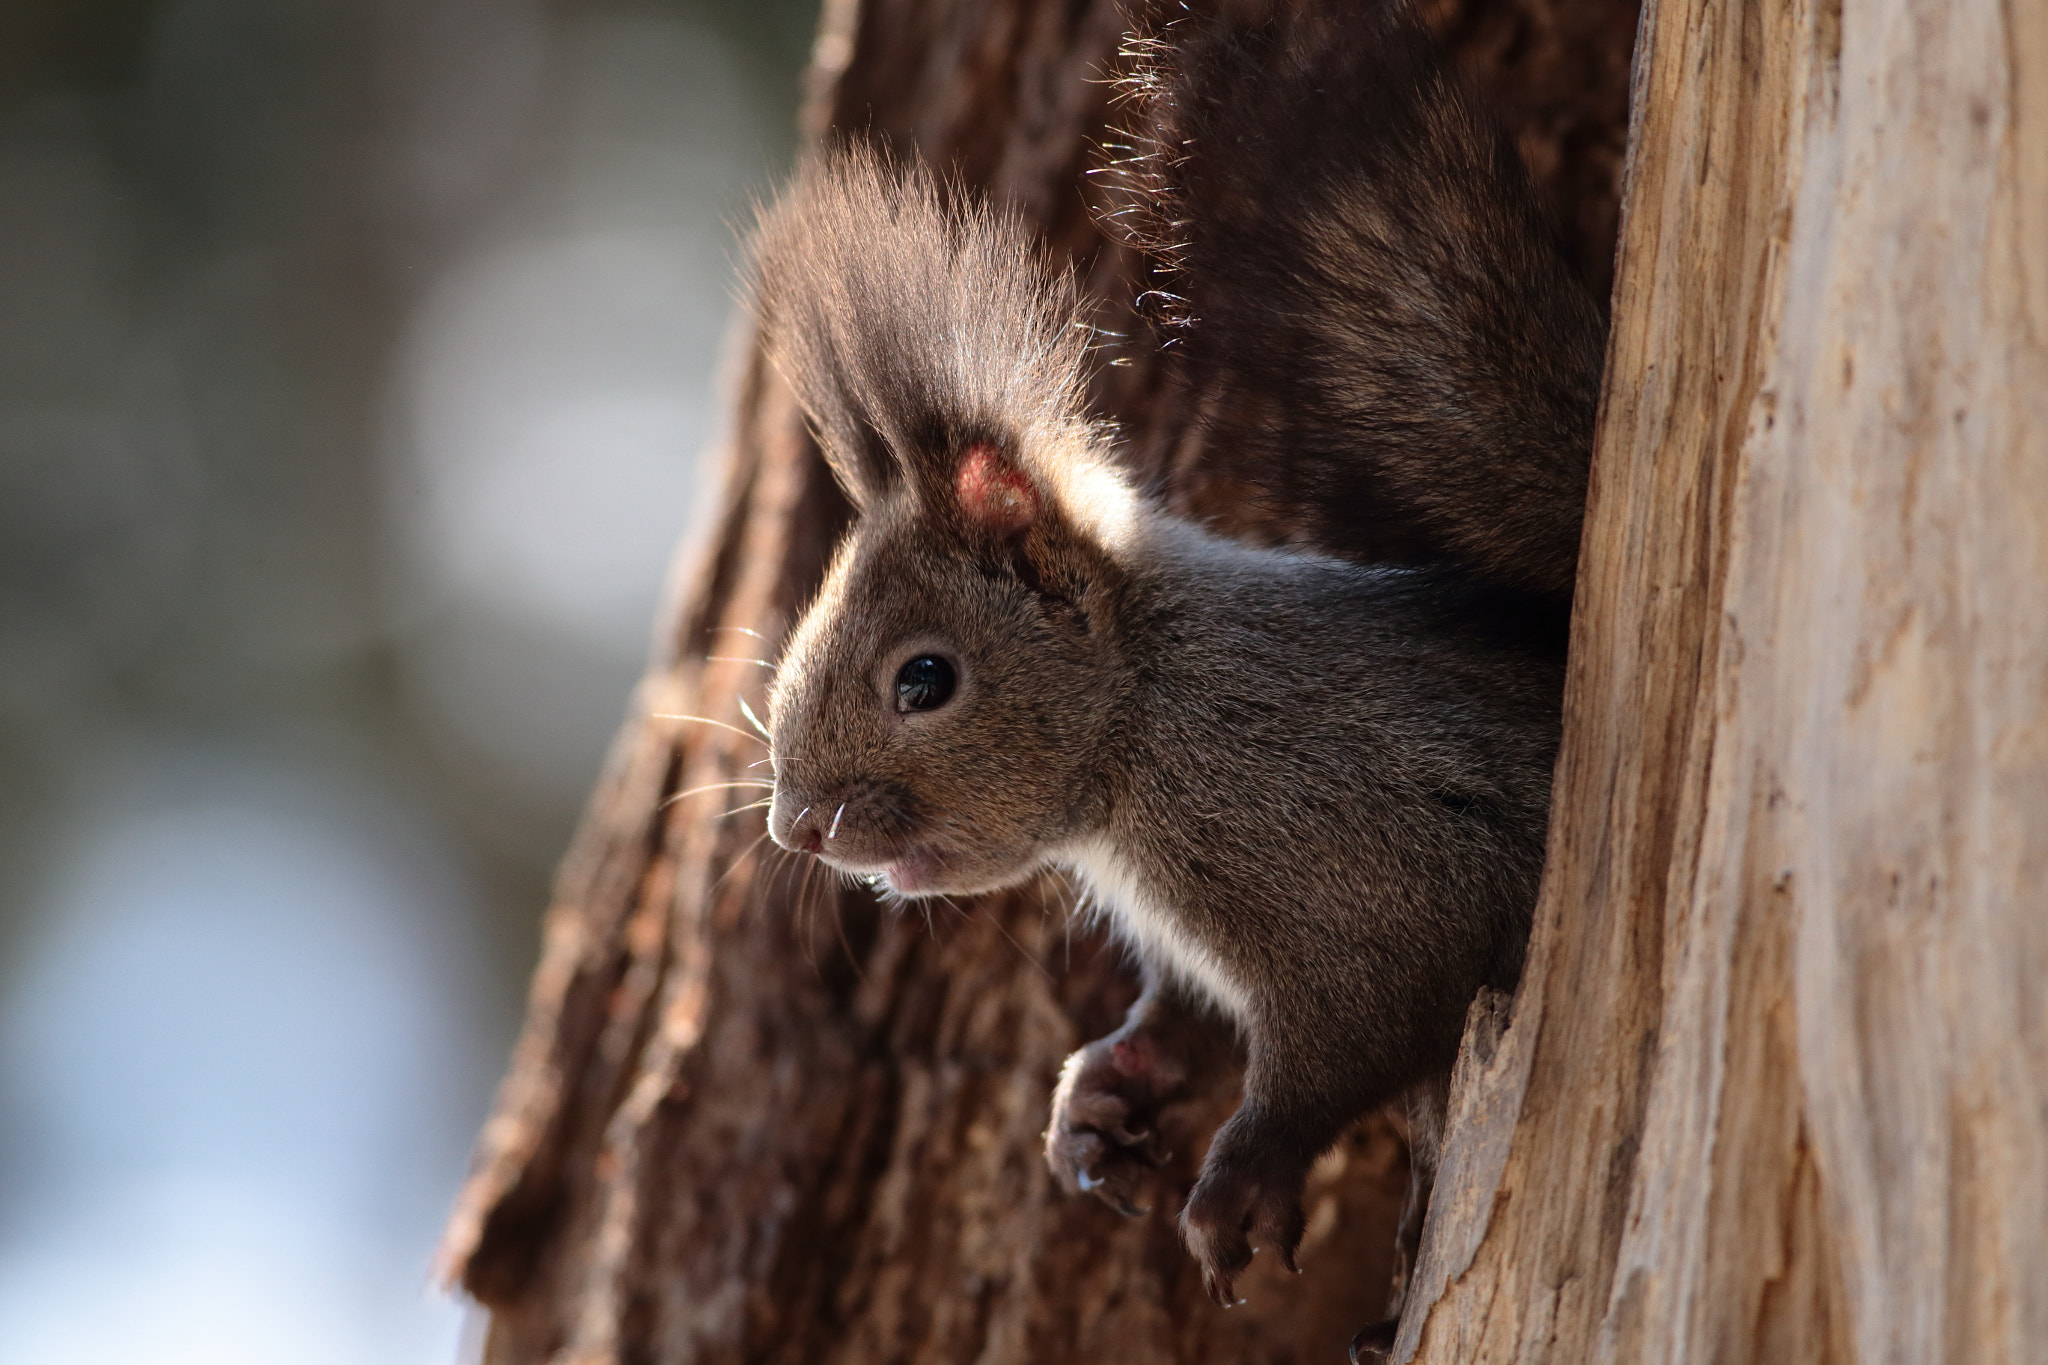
[
  {"x": 1104, "y": 1135},
  {"x": 1234, "y": 1201}
]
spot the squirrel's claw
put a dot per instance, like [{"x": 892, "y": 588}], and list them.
[
  {"x": 1103, "y": 1137},
  {"x": 1230, "y": 1205},
  {"x": 1113, "y": 1185},
  {"x": 1217, "y": 1284}
]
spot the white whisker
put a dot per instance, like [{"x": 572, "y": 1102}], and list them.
[
  {"x": 754, "y": 720},
  {"x": 736, "y": 863},
  {"x": 833, "y": 833},
  {"x": 715, "y": 787},
  {"x": 990, "y": 915},
  {"x": 705, "y": 720}
]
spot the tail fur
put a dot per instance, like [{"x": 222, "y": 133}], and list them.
[{"x": 1346, "y": 249}]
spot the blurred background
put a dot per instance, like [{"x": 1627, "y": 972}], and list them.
[{"x": 355, "y": 358}]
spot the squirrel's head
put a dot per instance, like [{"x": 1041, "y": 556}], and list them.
[{"x": 941, "y": 712}]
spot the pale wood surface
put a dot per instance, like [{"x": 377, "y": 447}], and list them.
[{"x": 1776, "y": 1085}]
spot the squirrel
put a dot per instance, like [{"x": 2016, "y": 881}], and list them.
[{"x": 1308, "y": 788}]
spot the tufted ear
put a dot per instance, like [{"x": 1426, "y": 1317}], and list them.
[
  {"x": 992, "y": 494},
  {"x": 858, "y": 451},
  {"x": 929, "y": 341}
]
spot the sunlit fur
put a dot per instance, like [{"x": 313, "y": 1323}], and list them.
[
  {"x": 1126, "y": 681},
  {"x": 1310, "y": 795},
  {"x": 1324, "y": 785}
]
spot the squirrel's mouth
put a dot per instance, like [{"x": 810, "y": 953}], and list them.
[
  {"x": 909, "y": 872},
  {"x": 932, "y": 866},
  {"x": 915, "y": 872}
]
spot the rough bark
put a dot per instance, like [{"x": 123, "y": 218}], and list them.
[
  {"x": 1776, "y": 1084},
  {"x": 752, "y": 1116}
]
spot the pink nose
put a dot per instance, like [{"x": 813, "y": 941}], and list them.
[{"x": 808, "y": 840}]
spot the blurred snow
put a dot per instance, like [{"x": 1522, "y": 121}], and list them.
[
  {"x": 355, "y": 359},
  {"x": 556, "y": 409},
  {"x": 554, "y": 393},
  {"x": 98, "y": 487},
  {"x": 242, "y": 1057}
]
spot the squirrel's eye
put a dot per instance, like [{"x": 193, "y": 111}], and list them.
[{"x": 924, "y": 684}]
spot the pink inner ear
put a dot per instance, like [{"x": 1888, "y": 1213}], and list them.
[{"x": 992, "y": 492}]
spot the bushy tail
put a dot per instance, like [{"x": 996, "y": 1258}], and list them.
[{"x": 1346, "y": 249}]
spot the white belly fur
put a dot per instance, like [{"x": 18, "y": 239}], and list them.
[{"x": 1137, "y": 919}]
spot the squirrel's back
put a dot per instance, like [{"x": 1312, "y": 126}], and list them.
[{"x": 1349, "y": 259}]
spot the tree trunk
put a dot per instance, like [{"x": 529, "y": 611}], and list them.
[{"x": 1776, "y": 1083}]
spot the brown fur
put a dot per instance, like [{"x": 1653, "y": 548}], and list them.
[
  {"x": 1310, "y": 795},
  {"x": 1354, "y": 271}
]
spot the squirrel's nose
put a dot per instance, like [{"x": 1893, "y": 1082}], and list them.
[
  {"x": 800, "y": 835},
  {"x": 806, "y": 833}
]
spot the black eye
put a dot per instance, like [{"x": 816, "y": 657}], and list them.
[{"x": 924, "y": 684}]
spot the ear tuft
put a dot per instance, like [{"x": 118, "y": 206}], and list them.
[{"x": 994, "y": 494}]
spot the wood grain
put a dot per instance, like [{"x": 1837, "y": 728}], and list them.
[{"x": 1774, "y": 1087}]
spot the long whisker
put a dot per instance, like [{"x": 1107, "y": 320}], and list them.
[
  {"x": 821, "y": 891},
  {"x": 738, "y": 862},
  {"x": 751, "y": 805},
  {"x": 833, "y": 833},
  {"x": 1067, "y": 930},
  {"x": 806, "y": 907},
  {"x": 786, "y": 867},
  {"x": 715, "y": 787},
  {"x": 846, "y": 944},
  {"x": 706, "y": 720},
  {"x": 736, "y": 659},
  {"x": 753, "y": 719},
  {"x": 989, "y": 915},
  {"x": 744, "y": 631}
]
